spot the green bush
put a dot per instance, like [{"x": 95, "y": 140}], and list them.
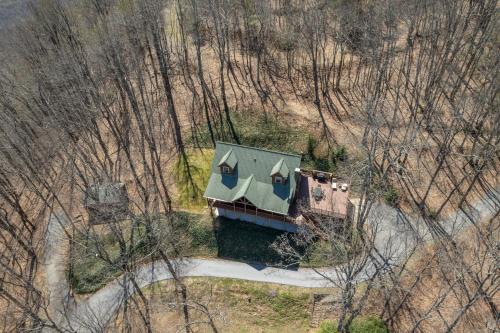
[
  {"x": 312, "y": 143},
  {"x": 337, "y": 155},
  {"x": 369, "y": 324},
  {"x": 202, "y": 235},
  {"x": 391, "y": 196},
  {"x": 432, "y": 214},
  {"x": 326, "y": 162},
  {"x": 321, "y": 164},
  {"x": 328, "y": 327},
  {"x": 286, "y": 43}
]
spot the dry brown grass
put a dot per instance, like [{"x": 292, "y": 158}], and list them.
[
  {"x": 443, "y": 278},
  {"x": 236, "y": 306},
  {"x": 239, "y": 306}
]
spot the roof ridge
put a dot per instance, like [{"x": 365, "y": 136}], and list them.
[{"x": 261, "y": 149}]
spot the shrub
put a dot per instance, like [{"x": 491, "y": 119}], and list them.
[
  {"x": 321, "y": 164},
  {"x": 328, "y": 327},
  {"x": 285, "y": 41},
  {"x": 339, "y": 154},
  {"x": 369, "y": 324},
  {"x": 391, "y": 196},
  {"x": 312, "y": 143},
  {"x": 432, "y": 214}
]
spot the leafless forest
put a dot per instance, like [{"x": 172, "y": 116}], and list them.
[{"x": 121, "y": 90}]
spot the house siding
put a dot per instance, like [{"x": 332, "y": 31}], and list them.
[{"x": 259, "y": 220}]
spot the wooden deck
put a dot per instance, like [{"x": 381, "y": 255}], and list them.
[{"x": 333, "y": 202}]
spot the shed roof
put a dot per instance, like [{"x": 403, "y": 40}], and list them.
[
  {"x": 251, "y": 178},
  {"x": 107, "y": 194}
]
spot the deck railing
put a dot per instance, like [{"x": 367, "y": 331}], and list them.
[{"x": 253, "y": 211}]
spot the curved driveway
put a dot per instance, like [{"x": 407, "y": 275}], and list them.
[
  {"x": 96, "y": 311},
  {"x": 396, "y": 234}
]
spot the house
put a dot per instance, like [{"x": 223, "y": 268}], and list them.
[
  {"x": 268, "y": 188},
  {"x": 106, "y": 202}
]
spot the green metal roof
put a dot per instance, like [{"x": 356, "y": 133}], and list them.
[
  {"x": 228, "y": 159},
  {"x": 280, "y": 168},
  {"x": 242, "y": 192},
  {"x": 251, "y": 179}
]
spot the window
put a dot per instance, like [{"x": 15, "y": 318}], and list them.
[
  {"x": 226, "y": 169},
  {"x": 278, "y": 179}
]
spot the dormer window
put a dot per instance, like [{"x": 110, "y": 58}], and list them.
[
  {"x": 228, "y": 162},
  {"x": 280, "y": 172}
]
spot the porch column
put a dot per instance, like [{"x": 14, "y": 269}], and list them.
[{"x": 210, "y": 207}]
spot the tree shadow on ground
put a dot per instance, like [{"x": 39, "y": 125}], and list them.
[{"x": 248, "y": 242}]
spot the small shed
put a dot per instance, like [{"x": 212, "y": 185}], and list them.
[{"x": 106, "y": 203}]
